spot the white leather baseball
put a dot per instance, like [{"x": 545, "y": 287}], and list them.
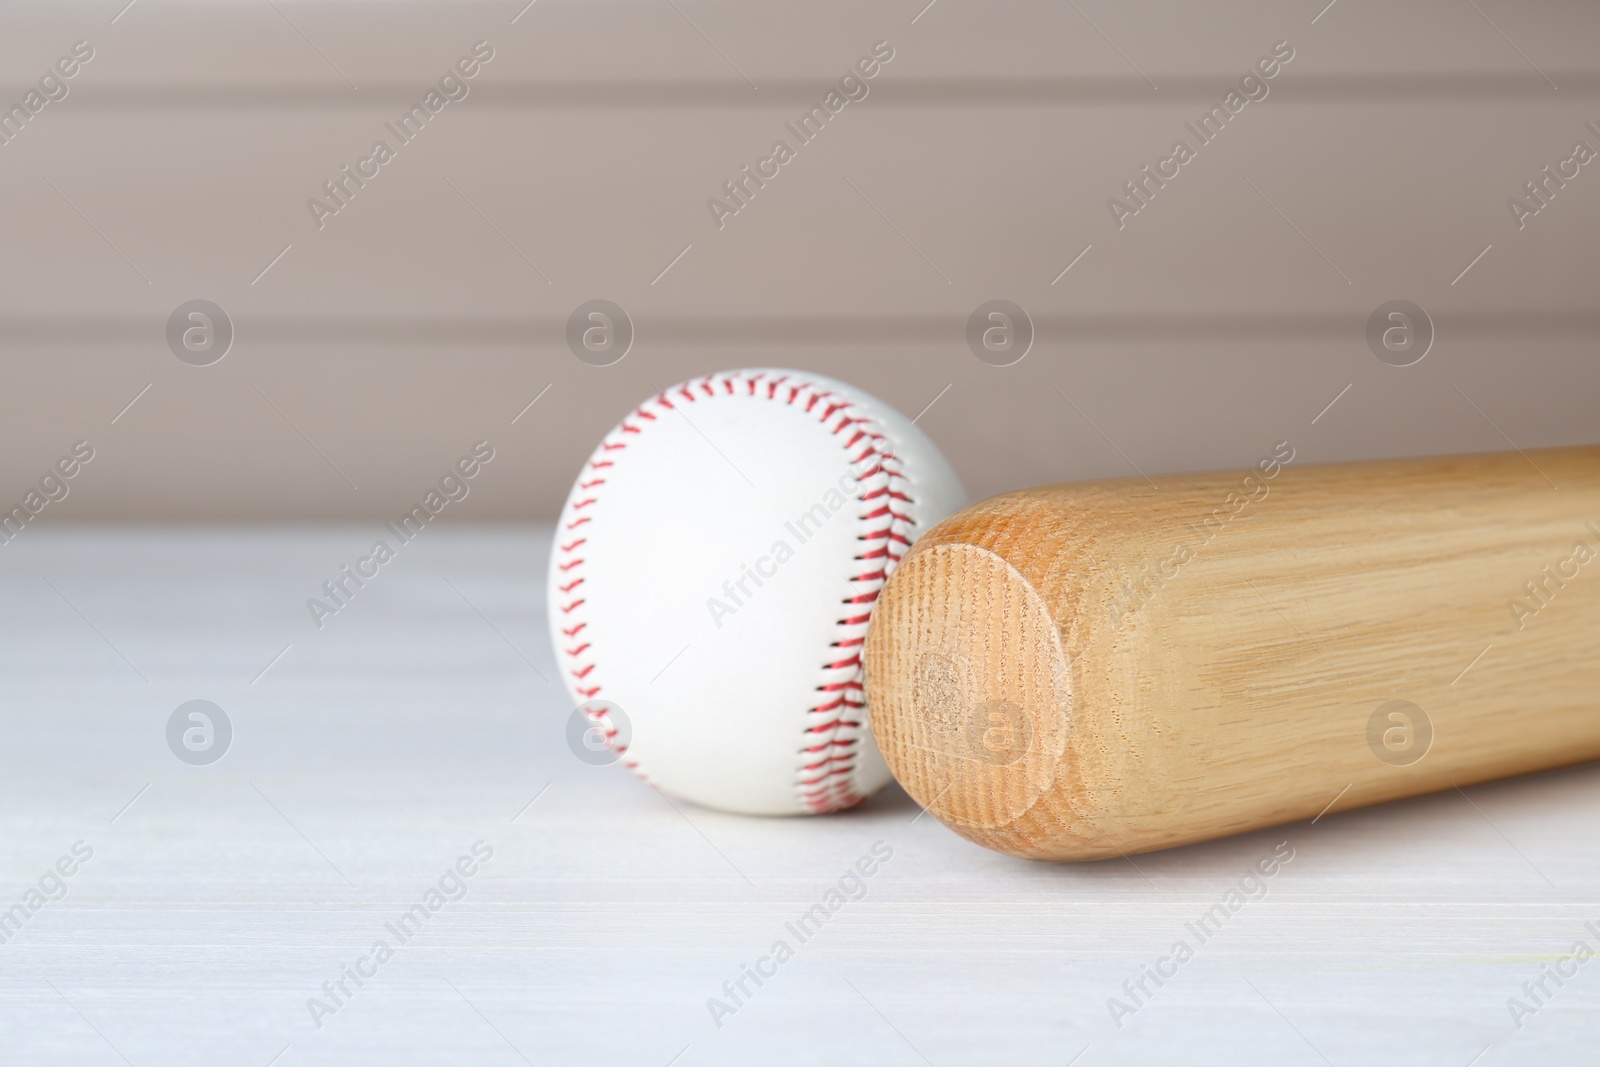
[{"x": 713, "y": 573}]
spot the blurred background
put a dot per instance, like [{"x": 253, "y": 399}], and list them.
[
  {"x": 371, "y": 345},
  {"x": 221, "y": 372}
]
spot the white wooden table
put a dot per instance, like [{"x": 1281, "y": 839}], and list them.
[{"x": 378, "y": 750}]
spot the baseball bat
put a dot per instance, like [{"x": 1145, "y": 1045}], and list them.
[{"x": 1081, "y": 671}]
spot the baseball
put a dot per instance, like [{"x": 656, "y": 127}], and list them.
[{"x": 712, "y": 576}]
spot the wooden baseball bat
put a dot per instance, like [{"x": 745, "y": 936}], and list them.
[{"x": 1080, "y": 671}]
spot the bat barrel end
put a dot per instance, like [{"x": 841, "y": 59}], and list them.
[{"x": 970, "y": 694}]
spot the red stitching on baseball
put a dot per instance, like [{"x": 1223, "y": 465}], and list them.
[{"x": 833, "y": 723}]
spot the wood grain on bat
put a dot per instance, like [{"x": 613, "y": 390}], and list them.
[{"x": 1078, "y": 671}]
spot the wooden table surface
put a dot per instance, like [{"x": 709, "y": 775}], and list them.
[{"x": 421, "y": 719}]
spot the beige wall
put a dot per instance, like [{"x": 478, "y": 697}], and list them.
[{"x": 1222, "y": 318}]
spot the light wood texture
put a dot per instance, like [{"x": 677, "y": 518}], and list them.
[
  {"x": 419, "y": 319},
  {"x": 1079, "y": 671},
  {"x": 409, "y": 728}
]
